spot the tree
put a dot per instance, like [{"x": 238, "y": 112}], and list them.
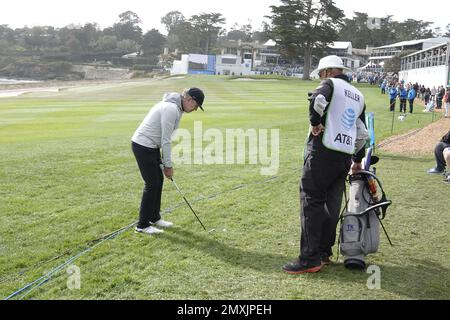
[
  {"x": 184, "y": 38},
  {"x": 244, "y": 33},
  {"x": 7, "y": 40},
  {"x": 128, "y": 27},
  {"x": 386, "y": 34},
  {"x": 107, "y": 43},
  {"x": 86, "y": 35},
  {"x": 129, "y": 17},
  {"x": 263, "y": 34},
  {"x": 39, "y": 37},
  {"x": 390, "y": 31},
  {"x": 207, "y": 27},
  {"x": 127, "y": 45},
  {"x": 411, "y": 29},
  {"x": 74, "y": 46},
  {"x": 172, "y": 20},
  {"x": 91, "y": 33},
  {"x": 299, "y": 26},
  {"x": 153, "y": 43},
  {"x": 437, "y": 32},
  {"x": 181, "y": 33},
  {"x": 285, "y": 30},
  {"x": 356, "y": 30},
  {"x": 5, "y": 32},
  {"x": 447, "y": 33}
]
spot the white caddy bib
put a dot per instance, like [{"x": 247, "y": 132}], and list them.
[{"x": 347, "y": 104}]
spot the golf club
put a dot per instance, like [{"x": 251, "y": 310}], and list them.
[{"x": 185, "y": 200}]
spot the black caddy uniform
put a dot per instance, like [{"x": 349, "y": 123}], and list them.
[{"x": 340, "y": 108}]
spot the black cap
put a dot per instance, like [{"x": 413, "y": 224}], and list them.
[{"x": 197, "y": 95}]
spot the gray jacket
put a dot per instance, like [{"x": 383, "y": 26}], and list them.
[{"x": 158, "y": 126}]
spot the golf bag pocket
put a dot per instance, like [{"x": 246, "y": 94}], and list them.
[
  {"x": 372, "y": 233},
  {"x": 351, "y": 236}
]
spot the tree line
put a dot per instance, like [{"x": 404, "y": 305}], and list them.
[
  {"x": 25, "y": 52},
  {"x": 302, "y": 29},
  {"x": 197, "y": 34}
]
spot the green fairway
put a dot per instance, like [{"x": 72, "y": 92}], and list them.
[{"x": 68, "y": 177}]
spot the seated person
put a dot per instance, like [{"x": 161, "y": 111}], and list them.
[
  {"x": 441, "y": 149},
  {"x": 446, "y": 154},
  {"x": 430, "y": 106}
]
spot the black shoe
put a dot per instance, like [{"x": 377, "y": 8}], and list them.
[
  {"x": 297, "y": 267},
  {"x": 325, "y": 259}
]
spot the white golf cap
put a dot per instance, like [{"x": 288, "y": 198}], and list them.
[{"x": 330, "y": 62}]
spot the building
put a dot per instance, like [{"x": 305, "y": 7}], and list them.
[
  {"x": 340, "y": 48},
  {"x": 180, "y": 66},
  {"x": 230, "y": 64},
  {"x": 381, "y": 54},
  {"x": 226, "y": 64},
  {"x": 245, "y": 50},
  {"x": 269, "y": 53},
  {"x": 429, "y": 67},
  {"x": 236, "y": 58},
  {"x": 344, "y": 50},
  {"x": 194, "y": 64}
]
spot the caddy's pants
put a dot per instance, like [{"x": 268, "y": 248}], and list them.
[
  {"x": 149, "y": 161},
  {"x": 321, "y": 190}
]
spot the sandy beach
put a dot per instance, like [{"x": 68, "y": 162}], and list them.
[{"x": 17, "y": 92}]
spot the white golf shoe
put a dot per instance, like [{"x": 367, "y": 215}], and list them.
[
  {"x": 163, "y": 224},
  {"x": 149, "y": 230}
]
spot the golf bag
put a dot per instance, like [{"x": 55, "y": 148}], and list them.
[{"x": 360, "y": 224}]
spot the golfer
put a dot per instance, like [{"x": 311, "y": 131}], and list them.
[
  {"x": 154, "y": 134},
  {"x": 337, "y": 131}
]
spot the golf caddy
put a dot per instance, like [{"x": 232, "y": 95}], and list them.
[{"x": 360, "y": 224}]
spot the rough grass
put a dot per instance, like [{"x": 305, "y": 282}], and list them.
[{"x": 68, "y": 177}]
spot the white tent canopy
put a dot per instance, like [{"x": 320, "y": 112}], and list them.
[{"x": 371, "y": 65}]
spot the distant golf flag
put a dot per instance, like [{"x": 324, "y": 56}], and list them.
[{"x": 370, "y": 121}]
